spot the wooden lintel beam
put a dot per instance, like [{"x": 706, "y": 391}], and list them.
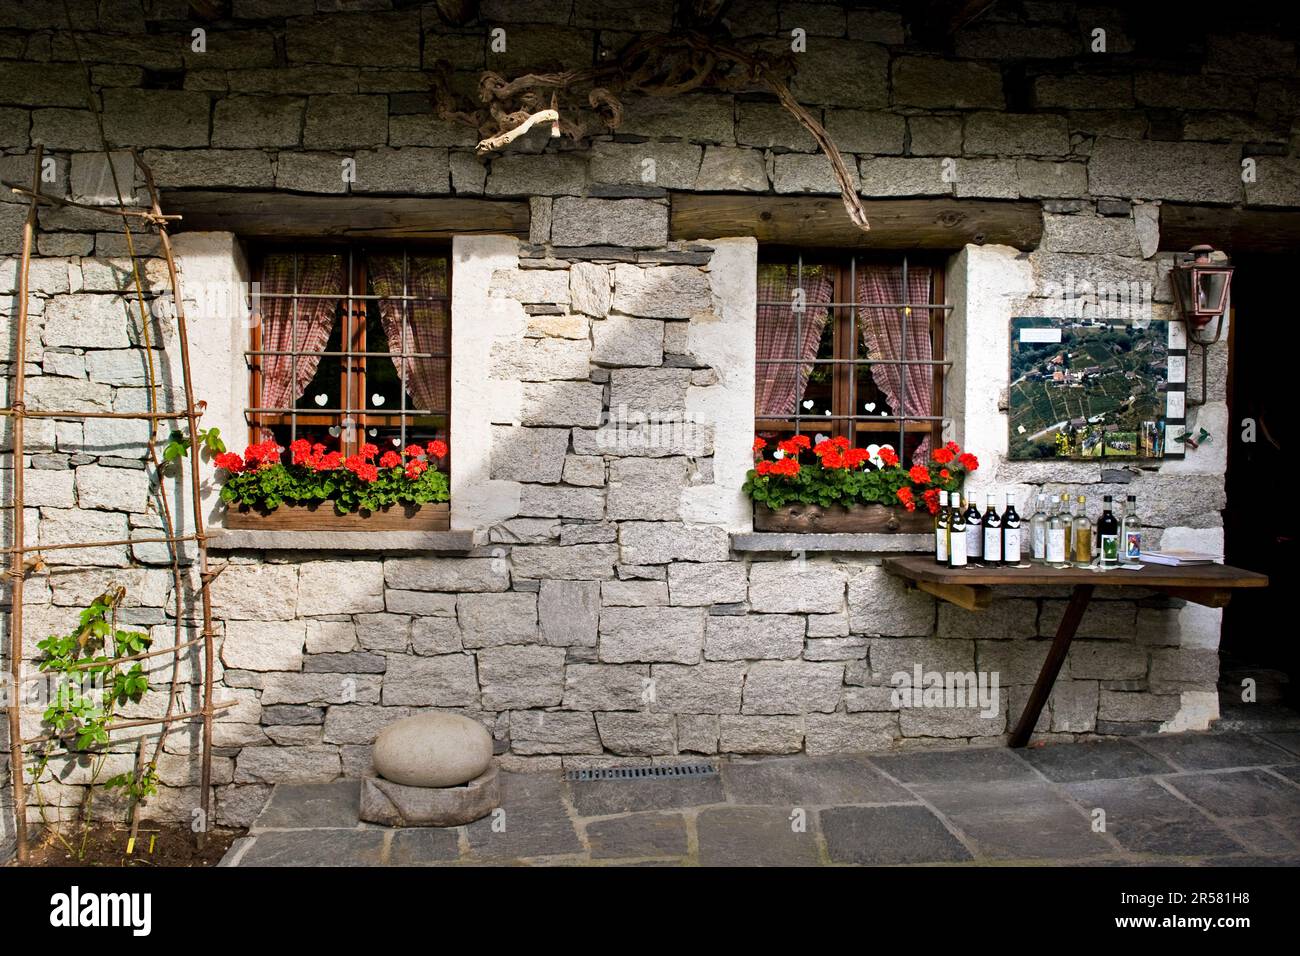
[
  {"x": 1232, "y": 230},
  {"x": 821, "y": 221},
  {"x": 405, "y": 217},
  {"x": 1209, "y": 597},
  {"x": 972, "y": 597}
]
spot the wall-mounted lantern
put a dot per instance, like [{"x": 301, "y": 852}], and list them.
[
  {"x": 1201, "y": 280},
  {"x": 1201, "y": 285}
]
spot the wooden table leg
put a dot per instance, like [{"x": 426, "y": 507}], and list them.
[{"x": 1052, "y": 665}]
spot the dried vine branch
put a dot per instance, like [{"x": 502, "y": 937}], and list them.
[{"x": 657, "y": 65}]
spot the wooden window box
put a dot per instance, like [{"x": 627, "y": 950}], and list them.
[
  {"x": 856, "y": 519},
  {"x": 321, "y": 516}
]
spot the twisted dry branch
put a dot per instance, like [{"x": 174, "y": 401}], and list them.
[{"x": 658, "y": 65}]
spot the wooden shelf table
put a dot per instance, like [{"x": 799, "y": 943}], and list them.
[{"x": 972, "y": 588}]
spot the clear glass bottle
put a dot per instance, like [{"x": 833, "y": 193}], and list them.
[
  {"x": 1057, "y": 525},
  {"x": 1082, "y": 535},
  {"x": 992, "y": 524},
  {"x": 1131, "y": 542},
  {"x": 1038, "y": 532},
  {"x": 941, "y": 531},
  {"x": 957, "y": 539},
  {"x": 1011, "y": 532},
  {"x": 1067, "y": 511}
]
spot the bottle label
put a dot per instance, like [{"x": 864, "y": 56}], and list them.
[
  {"x": 1133, "y": 544},
  {"x": 993, "y": 544},
  {"x": 1011, "y": 545},
  {"x": 974, "y": 541},
  {"x": 1040, "y": 542},
  {"x": 1109, "y": 548},
  {"x": 1056, "y": 545},
  {"x": 958, "y": 556},
  {"x": 941, "y": 544}
]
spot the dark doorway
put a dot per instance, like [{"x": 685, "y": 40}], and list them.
[{"x": 1259, "y": 522}]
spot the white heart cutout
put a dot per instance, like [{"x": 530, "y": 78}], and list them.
[
  {"x": 374, "y": 432},
  {"x": 377, "y": 399},
  {"x": 808, "y": 404},
  {"x": 778, "y": 454},
  {"x": 397, "y": 442},
  {"x": 827, "y": 413},
  {"x": 819, "y": 439},
  {"x": 334, "y": 430},
  {"x": 883, "y": 413},
  {"x": 321, "y": 399},
  {"x": 870, "y": 406}
]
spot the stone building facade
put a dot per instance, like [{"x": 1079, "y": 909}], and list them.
[{"x": 615, "y": 606}]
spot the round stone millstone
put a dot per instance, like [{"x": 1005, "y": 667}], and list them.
[{"x": 432, "y": 750}]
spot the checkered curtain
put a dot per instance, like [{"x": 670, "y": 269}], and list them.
[
  {"x": 285, "y": 377},
  {"x": 422, "y": 325},
  {"x": 907, "y": 388},
  {"x": 780, "y": 328}
]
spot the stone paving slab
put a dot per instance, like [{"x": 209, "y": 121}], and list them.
[
  {"x": 958, "y": 807},
  {"x": 1147, "y": 818},
  {"x": 1103, "y": 760},
  {"x": 972, "y": 765},
  {"x": 889, "y": 835},
  {"x": 1215, "y": 751},
  {"x": 754, "y": 836},
  {"x": 810, "y": 781},
  {"x": 638, "y": 835},
  {"x": 1017, "y": 820},
  {"x": 1238, "y": 793}
]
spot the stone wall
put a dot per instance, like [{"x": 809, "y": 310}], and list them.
[{"x": 604, "y": 615}]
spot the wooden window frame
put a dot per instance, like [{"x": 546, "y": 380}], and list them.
[
  {"x": 845, "y": 419},
  {"x": 357, "y": 305}
]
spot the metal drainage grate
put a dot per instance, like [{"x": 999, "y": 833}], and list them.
[{"x": 644, "y": 773}]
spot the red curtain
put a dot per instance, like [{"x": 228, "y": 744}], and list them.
[
  {"x": 422, "y": 325},
  {"x": 907, "y": 388},
  {"x": 781, "y": 386},
  {"x": 285, "y": 377}
]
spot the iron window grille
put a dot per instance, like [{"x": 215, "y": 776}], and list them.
[
  {"x": 840, "y": 396},
  {"x": 356, "y": 379}
]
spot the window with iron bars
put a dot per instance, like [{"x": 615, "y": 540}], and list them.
[
  {"x": 851, "y": 346},
  {"x": 350, "y": 345}
]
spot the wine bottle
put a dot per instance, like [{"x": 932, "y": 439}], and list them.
[
  {"x": 974, "y": 531},
  {"x": 1056, "y": 525},
  {"x": 992, "y": 534},
  {"x": 1082, "y": 535},
  {"x": 1108, "y": 534},
  {"x": 957, "y": 540},
  {"x": 941, "y": 531},
  {"x": 1038, "y": 532},
  {"x": 1011, "y": 532},
  {"x": 1132, "y": 531}
]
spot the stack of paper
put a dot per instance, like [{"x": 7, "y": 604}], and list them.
[{"x": 1180, "y": 556}]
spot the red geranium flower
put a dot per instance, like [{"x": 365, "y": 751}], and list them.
[
  {"x": 932, "y": 500},
  {"x": 968, "y": 461},
  {"x": 833, "y": 459},
  {"x": 390, "y": 459},
  {"x": 905, "y": 496},
  {"x": 942, "y": 456},
  {"x": 415, "y": 468},
  {"x": 953, "y": 447},
  {"x": 944, "y": 473},
  {"x": 300, "y": 452},
  {"x": 788, "y": 467},
  {"x": 369, "y": 451},
  {"x": 856, "y": 457},
  {"x": 759, "y": 445},
  {"x": 230, "y": 461},
  {"x": 412, "y": 451},
  {"x": 437, "y": 448},
  {"x": 329, "y": 461},
  {"x": 888, "y": 456},
  {"x": 919, "y": 474}
]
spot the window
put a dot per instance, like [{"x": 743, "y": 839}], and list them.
[
  {"x": 852, "y": 347},
  {"x": 353, "y": 346}
]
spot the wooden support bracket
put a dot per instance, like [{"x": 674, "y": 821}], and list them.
[
  {"x": 1210, "y": 597},
  {"x": 972, "y": 597}
]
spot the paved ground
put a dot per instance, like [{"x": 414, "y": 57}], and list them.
[{"x": 1198, "y": 799}]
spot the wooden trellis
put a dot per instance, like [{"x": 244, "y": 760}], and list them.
[{"x": 23, "y": 558}]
